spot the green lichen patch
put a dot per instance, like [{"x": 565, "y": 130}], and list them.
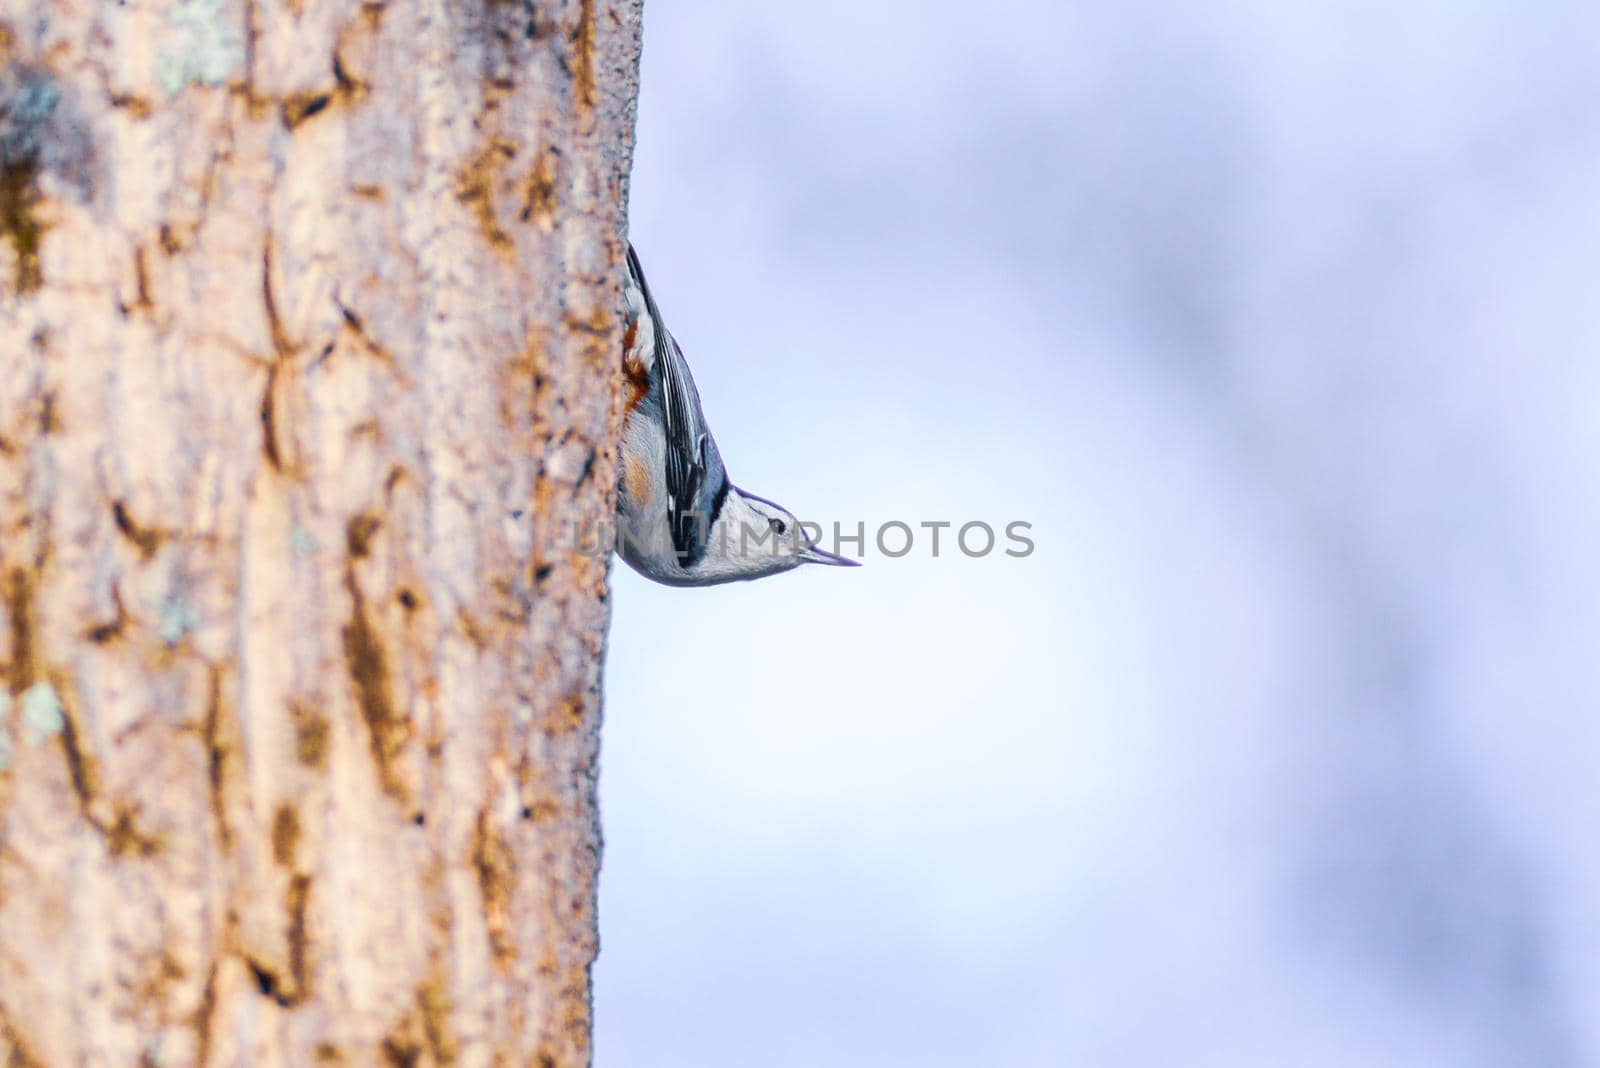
[
  {"x": 41, "y": 713},
  {"x": 205, "y": 49},
  {"x": 176, "y": 618}
]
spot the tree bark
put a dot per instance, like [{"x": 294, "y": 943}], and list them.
[{"x": 309, "y": 322}]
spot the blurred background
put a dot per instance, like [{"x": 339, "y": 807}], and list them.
[{"x": 1279, "y": 324}]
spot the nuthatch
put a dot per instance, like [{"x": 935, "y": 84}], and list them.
[{"x": 680, "y": 521}]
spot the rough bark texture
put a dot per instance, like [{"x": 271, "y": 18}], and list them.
[{"x": 308, "y": 336}]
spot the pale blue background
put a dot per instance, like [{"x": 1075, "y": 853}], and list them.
[{"x": 1278, "y": 321}]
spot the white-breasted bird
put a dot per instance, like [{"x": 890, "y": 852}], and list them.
[{"x": 680, "y": 521}]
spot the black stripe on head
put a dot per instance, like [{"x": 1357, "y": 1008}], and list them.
[{"x": 747, "y": 495}]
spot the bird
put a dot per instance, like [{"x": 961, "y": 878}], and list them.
[{"x": 681, "y": 521}]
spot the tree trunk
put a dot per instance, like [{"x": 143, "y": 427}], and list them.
[{"x": 308, "y": 372}]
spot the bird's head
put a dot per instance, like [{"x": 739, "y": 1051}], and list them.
[{"x": 759, "y": 537}]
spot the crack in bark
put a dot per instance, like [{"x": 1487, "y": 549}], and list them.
[
  {"x": 124, "y": 835},
  {"x": 295, "y": 988},
  {"x": 358, "y": 328},
  {"x": 310, "y": 735},
  {"x": 540, "y": 201},
  {"x": 141, "y": 280},
  {"x": 349, "y": 89},
  {"x": 433, "y": 1005},
  {"x": 267, "y": 982},
  {"x": 269, "y": 421},
  {"x": 217, "y": 757},
  {"x": 298, "y": 903},
  {"x": 583, "y": 46},
  {"x": 19, "y": 609},
  {"x": 298, "y": 107},
  {"x": 475, "y": 189},
  {"x": 80, "y": 766},
  {"x": 19, "y": 221},
  {"x": 281, "y": 344},
  {"x": 201, "y": 1021},
  {"x": 496, "y": 869},
  {"x": 368, "y": 666},
  {"x": 358, "y": 534},
  {"x": 106, "y": 633},
  {"x": 146, "y": 539},
  {"x": 285, "y": 834},
  {"x": 136, "y": 106}
]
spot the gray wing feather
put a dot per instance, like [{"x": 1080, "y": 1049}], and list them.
[{"x": 687, "y": 437}]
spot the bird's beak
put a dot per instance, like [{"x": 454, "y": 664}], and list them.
[{"x": 813, "y": 555}]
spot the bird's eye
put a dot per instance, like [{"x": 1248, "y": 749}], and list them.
[{"x": 780, "y": 526}]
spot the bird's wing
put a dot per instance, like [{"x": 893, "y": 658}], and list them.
[{"x": 686, "y": 433}]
